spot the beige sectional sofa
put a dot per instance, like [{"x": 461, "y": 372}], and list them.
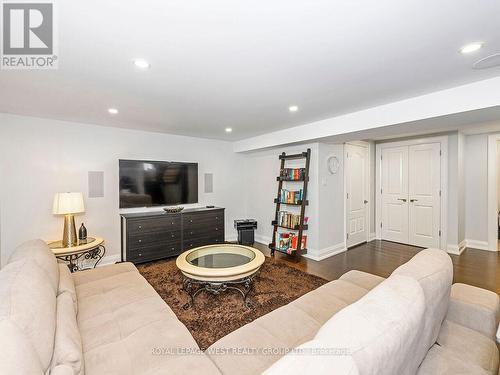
[{"x": 111, "y": 321}]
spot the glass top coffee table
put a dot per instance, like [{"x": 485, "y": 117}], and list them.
[{"x": 216, "y": 268}]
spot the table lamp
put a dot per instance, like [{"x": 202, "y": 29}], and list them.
[{"x": 68, "y": 204}]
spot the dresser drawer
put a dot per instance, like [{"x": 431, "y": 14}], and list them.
[
  {"x": 203, "y": 219},
  {"x": 148, "y": 253},
  {"x": 152, "y": 238},
  {"x": 202, "y": 241},
  {"x": 167, "y": 223},
  {"x": 203, "y": 231}
]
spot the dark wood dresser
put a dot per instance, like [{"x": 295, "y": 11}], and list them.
[{"x": 148, "y": 236}]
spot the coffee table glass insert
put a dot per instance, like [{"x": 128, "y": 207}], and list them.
[{"x": 207, "y": 259}]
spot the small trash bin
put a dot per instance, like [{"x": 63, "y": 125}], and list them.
[{"x": 246, "y": 229}]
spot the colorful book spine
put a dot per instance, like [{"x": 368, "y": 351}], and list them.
[{"x": 293, "y": 174}]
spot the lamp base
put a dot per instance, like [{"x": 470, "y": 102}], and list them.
[{"x": 69, "y": 231}]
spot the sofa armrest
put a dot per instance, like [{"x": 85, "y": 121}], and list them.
[{"x": 474, "y": 308}]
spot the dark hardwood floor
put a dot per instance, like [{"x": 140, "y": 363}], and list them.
[{"x": 475, "y": 267}]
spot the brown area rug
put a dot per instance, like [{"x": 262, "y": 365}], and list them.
[{"x": 213, "y": 317}]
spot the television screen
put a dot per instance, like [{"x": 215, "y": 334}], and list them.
[{"x": 157, "y": 183}]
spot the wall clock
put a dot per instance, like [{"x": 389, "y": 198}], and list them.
[{"x": 333, "y": 164}]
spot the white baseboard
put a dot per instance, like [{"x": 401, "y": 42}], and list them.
[
  {"x": 456, "y": 249},
  {"x": 266, "y": 240},
  {"x": 327, "y": 252},
  {"x": 231, "y": 238},
  {"x": 481, "y": 245},
  {"x": 109, "y": 259}
]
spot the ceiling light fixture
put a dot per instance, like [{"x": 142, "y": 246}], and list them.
[
  {"x": 293, "y": 108},
  {"x": 141, "y": 64},
  {"x": 113, "y": 111},
  {"x": 229, "y": 130},
  {"x": 471, "y": 47}
]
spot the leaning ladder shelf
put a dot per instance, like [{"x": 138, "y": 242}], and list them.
[{"x": 302, "y": 203}]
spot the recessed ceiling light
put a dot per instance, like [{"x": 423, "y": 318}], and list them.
[
  {"x": 229, "y": 130},
  {"x": 113, "y": 111},
  {"x": 471, "y": 47},
  {"x": 293, "y": 108},
  {"x": 141, "y": 64}
]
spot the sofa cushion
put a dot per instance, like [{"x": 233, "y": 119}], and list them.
[
  {"x": 314, "y": 357},
  {"x": 17, "y": 354},
  {"x": 40, "y": 253},
  {"x": 433, "y": 270},
  {"x": 440, "y": 361},
  {"x": 104, "y": 272},
  {"x": 362, "y": 279},
  {"x": 127, "y": 329},
  {"x": 476, "y": 308},
  {"x": 68, "y": 343},
  {"x": 66, "y": 284},
  {"x": 469, "y": 346},
  {"x": 272, "y": 335},
  {"x": 28, "y": 300},
  {"x": 62, "y": 370},
  {"x": 380, "y": 331}
]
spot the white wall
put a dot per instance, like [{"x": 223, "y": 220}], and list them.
[
  {"x": 461, "y": 188},
  {"x": 331, "y": 198},
  {"x": 40, "y": 157},
  {"x": 452, "y": 230},
  {"x": 476, "y": 188},
  {"x": 498, "y": 176}
]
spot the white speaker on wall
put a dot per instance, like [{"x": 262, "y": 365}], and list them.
[
  {"x": 96, "y": 184},
  {"x": 209, "y": 183}
]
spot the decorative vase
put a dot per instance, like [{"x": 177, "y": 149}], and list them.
[{"x": 82, "y": 232}]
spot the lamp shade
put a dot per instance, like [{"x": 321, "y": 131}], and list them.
[{"x": 68, "y": 203}]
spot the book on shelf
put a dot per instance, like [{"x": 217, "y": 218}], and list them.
[
  {"x": 288, "y": 219},
  {"x": 294, "y": 174},
  {"x": 289, "y": 196},
  {"x": 287, "y": 242}
]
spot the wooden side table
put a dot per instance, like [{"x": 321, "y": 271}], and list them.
[{"x": 91, "y": 249}]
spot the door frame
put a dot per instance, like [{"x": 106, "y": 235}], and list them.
[
  {"x": 443, "y": 141},
  {"x": 368, "y": 187},
  {"x": 493, "y": 140}
]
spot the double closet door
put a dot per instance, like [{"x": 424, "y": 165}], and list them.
[{"x": 410, "y": 194}]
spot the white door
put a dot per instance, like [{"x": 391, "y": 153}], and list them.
[
  {"x": 357, "y": 194},
  {"x": 394, "y": 191},
  {"x": 424, "y": 194}
]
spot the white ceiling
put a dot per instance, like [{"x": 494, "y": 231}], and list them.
[{"x": 240, "y": 64}]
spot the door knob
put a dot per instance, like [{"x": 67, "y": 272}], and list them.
[
  {"x": 413, "y": 200},
  {"x": 402, "y": 199},
  {"x": 365, "y": 201}
]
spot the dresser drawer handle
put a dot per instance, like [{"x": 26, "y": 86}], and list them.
[
  {"x": 190, "y": 221},
  {"x": 216, "y": 228},
  {"x": 173, "y": 235},
  {"x": 190, "y": 232},
  {"x": 173, "y": 248},
  {"x": 140, "y": 241},
  {"x": 140, "y": 226},
  {"x": 140, "y": 254}
]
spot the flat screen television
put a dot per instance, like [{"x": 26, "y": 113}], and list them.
[{"x": 157, "y": 183}]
